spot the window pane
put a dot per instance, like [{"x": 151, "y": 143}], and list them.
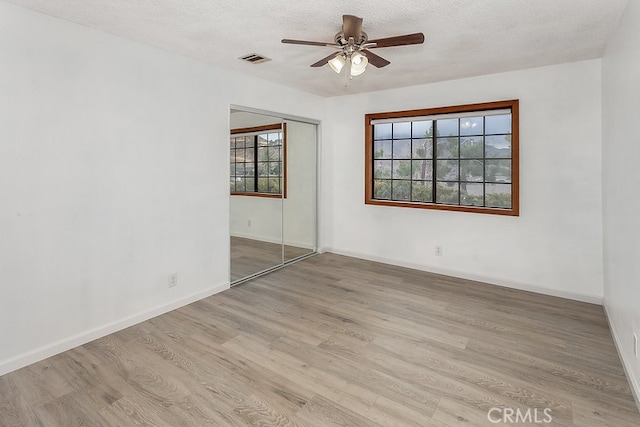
[
  {"x": 263, "y": 185},
  {"x": 382, "y": 131},
  {"x": 274, "y": 138},
  {"x": 274, "y": 185},
  {"x": 447, "y": 127},
  {"x": 248, "y": 155},
  {"x": 402, "y": 130},
  {"x": 245, "y": 155},
  {"x": 447, "y": 148},
  {"x": 421, "y": 191},
  {"x": 471, "y": 194},
  {"x": 498, "y": 195},
  {"x": 249, "y": 141},
  {"x": 274, "y": 169},
  {"x": 498, "y": 124},
  {"x": 402, "y": 149},
  {"x": 263, "y": 169},
  {"x": 382, "y": 189},
  {"x": 471, "y": 126},
  {"x": 382, "y": 150},
  {"x": 249, "y": 169},
  {"x": 240, "y": 184},
  {"x": 232, "y": 185},
  {"x": 250, "y": 184},
  {"x": 275, "y": 153},
  {"x": 471, "y": 170},
  {"x": 471, "y": 147},
  {"x": 422, "y": 170},
  {"x": 447, "y": 192},
  {"x": 401, "y": 190},
  {"x": 263, "y": 153},
  {"x": 498, "y": 171},
  {"x": 382, "y": 169},
  {"x": 422, "y": 149},
  {"x": 498, "y": 146},
  {"x": 422, "y": 129},
  {"x": 447, "y": 170},
  {"x": 401, "y": 169}
]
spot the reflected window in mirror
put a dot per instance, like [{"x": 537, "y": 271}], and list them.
[{"x": 258, "y": 161}]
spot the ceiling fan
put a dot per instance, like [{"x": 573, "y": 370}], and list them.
[{"x": 354, "y": 46}]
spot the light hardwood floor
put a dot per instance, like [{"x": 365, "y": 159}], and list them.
[
  {"x": 249, "y": 256},
  {"x": 337, "y": 341}
]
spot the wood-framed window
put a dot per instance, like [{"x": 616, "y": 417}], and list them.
[
  {"x": 259, "y": 161},
  {"x": 460, "y": 158}
]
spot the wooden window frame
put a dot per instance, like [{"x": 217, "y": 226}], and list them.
[
  {"x": 276, "y": 126},
  {"x": 468, "y": 108}
]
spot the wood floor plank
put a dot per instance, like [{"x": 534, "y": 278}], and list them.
[
  {"x": 323, "y": 412},
  {"x": 333, "y": 340},
  {"x": 14, "y": 408}
]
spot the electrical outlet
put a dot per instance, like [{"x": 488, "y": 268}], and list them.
[
  {"x": 635, "y": 345},
  {"x": 439, "y": 250},
  {"x": 173, "y": 280}
]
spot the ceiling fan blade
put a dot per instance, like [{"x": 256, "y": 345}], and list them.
[
  {"x": 416, "y": 38},
  {"x": 323, "y": 61},
  {"x": 375, "y": 60},
  {"x": 304, "y": 42},
  {"x": 351, "y": 27}
]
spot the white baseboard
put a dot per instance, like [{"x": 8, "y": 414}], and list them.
[
  {"x": 593, "y": 299},
  {"x": 65, "y": 344},
  {"x": 626, "y": 365},
  {"x": 303, "y": 245}
]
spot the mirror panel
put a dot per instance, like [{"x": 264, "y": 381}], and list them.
[
  {"x": 299, "y": 206},
  {"x": 256, "y": 204}
]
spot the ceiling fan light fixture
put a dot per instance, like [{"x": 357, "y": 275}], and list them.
[
  {"x": 354, "y": 46},
  {"x": 358, "y": 63},
  {"x": 336, "y": 63}
]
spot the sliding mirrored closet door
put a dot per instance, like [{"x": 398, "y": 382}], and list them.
[
  {"x": 299, "y": 207},
  {"x": 272, "y": 192},
  {"x": 256, "y": 193}
]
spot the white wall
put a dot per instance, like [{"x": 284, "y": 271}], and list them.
[
  {"x": 554, "y": 246},
  {"x": 621, "y": 180},
  {"x": 113, "y": 174},
  {"x": 298, "y": 208}
]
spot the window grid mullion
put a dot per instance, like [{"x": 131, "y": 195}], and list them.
[
  {"x": 434, "y": 178},
  {"x": 255, "y": 163},
  {"x": 459, "y": 185},
  {"x": 411, "y": 172},
  {"x": 484, "y": 161}
]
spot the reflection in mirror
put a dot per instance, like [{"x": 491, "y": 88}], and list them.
[
  {"x": 257, "y": 185},
  {"x": 299, "y": 206}
]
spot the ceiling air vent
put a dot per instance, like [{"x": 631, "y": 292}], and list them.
[{"x": 254, "y": 58}]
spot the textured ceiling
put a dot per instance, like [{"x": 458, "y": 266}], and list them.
[{"x": 463, "y": 37}]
